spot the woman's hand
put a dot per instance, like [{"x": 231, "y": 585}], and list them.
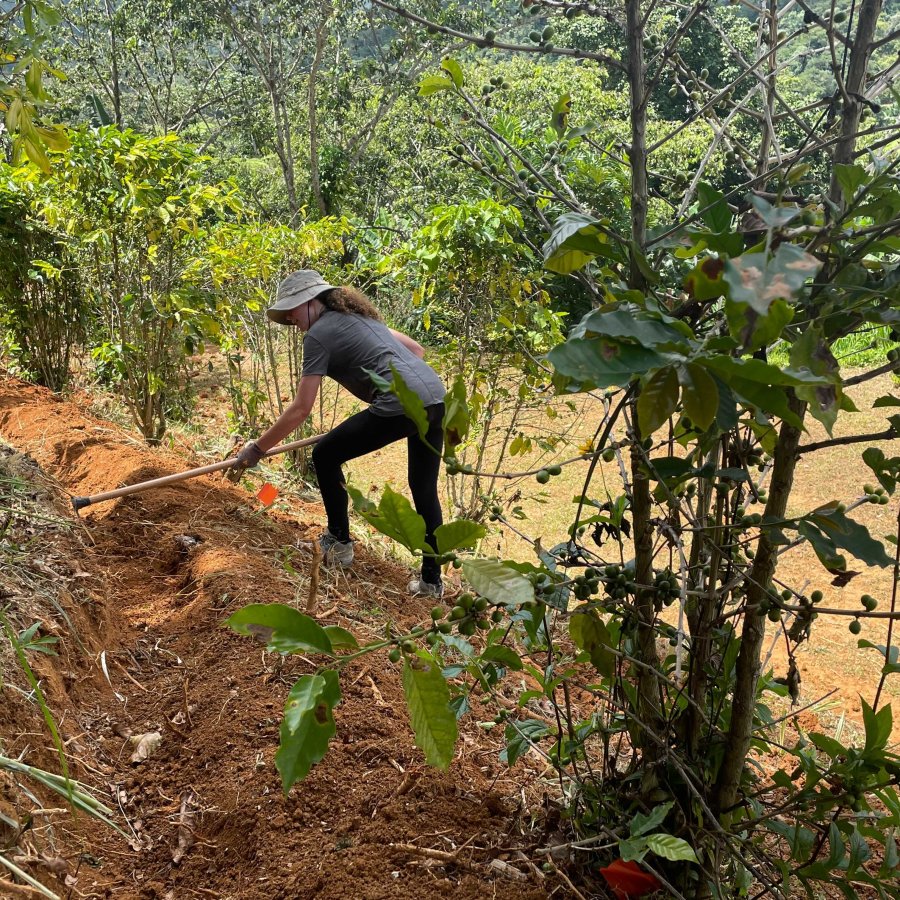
[{"x": 248, "y": 458}]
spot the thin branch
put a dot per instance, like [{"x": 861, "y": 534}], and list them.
[
  {"x": 888, "y": 434},
  {"x": 500, "y": 45},
  {"x": 891, "y": 366}
]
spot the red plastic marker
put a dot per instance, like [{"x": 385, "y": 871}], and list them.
[{"x": 267, "y": 494}]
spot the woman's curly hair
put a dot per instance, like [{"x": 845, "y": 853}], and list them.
[{"x": 349, "y": 300}]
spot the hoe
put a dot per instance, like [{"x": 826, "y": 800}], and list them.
[{"x": 81, "y": 502}]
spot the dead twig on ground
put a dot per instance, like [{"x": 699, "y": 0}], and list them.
[{"x": 312, "y": 600}]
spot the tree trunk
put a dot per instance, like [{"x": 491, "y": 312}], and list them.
[
  {"x": 748, "y": 662},
  {"x": 115, "y": 87},
  {"x": 854, "y": 88},
  {"x": 314, "y": 176},
  {"x": 637, "y": 154},
  {"x": 283, "y": 148}
]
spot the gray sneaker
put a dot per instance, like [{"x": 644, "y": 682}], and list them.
[
  {"x": 418, "y": 587},
  {"x": 335, "y": 551}
]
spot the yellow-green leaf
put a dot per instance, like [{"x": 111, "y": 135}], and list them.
[
  {"x": 431, "y": 84},
  {"x": 453, "y": 67}
]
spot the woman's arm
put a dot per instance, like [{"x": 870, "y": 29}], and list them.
[
  {"x": 294, "y": 415},
  {"x": 413, "y": 346}
]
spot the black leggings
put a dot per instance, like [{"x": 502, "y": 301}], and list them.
[{"x": 364, "y": 433}]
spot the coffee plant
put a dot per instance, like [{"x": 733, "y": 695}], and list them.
[{"x": 643, "y": 631}]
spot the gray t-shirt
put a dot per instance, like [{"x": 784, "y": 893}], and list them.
[{"x": 343, "y": 345}]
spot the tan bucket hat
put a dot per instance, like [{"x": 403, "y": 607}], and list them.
[{"x": 296, "y": 289}]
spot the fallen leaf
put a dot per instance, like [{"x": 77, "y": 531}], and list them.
[
  {"x": 185, "y": 828},
  {"x": 145, "y": 745}
]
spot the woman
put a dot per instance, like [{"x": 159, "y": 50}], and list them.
[{"x": 345, "y": 337}]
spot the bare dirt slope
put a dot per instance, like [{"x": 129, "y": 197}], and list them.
[{"x": 159, "y": 573}]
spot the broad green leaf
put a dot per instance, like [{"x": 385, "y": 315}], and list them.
[
  {"x": 34, "y": 79},
  {"x": 826, "y": 744},
  {"x": 568, "y": 226},
  {"x": 641, "y": 823},
  {"x": 54, "y": 137},
  {"x": 666, "y": 468},
  {"x": 849, "y": 535},
  {"x": 340, "y": 637},
  {"x": 633, "y": 849},
  {"x": 412, "y": 404},
  {"x": 577, "y": 251},
  {"x": 283, "y": 628},
  {"x": 505, "y": 656},
  {"x": 770, "y": 400},
  {"x": 851, "y": 178},
  {"x": 878, "y": 726},
  {"x": 673, "y": 848},
  {"x": 886, "y": 400},
  {"x": 823, "y": 546},
  {"x": 699, "y": 395},
  {"x": 632, "y": 324},
  {"x": 836, "y": 851},
  {"x": 761, "y": 372},
  {"x": 892, "y": 657},
  {"x": 428, "y": 699},
  {"x": 891, "y": 856},
  {"x": 35, "y": 152},
  {"x": 431, "y": 84},
  {"x": 394, "y": 517},
  {"x": 657, "y": 400},
  {"x": 589, "y": 633},
  {"x": 727, "y": 413},
  {"x": 459, "y": 533},
  {"x": 453, "y": 68},
  {"x": 497, "y": 582},
  {"x": 307, "y": 726},
  {"x": 603, "y": 362},
  {"x": 859, "y": 851},
  {"x": 754, "y": 331},
  {"x": 714, "y": 210},
  {"x": 773, "y": 216},
  {"x": 519, "y": 737},
  {"x": 456, "y": 413}
]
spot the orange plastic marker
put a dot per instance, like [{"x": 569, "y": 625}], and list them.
[{"x": 267, "y": 494}]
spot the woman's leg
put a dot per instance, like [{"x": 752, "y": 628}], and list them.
[
  {"x": 360, "y": 434},
  {"x": 424, "y": 465}
]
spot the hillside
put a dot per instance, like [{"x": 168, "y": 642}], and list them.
[{"x": 145, "y": 584}]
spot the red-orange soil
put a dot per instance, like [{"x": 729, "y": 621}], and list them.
[{"x": 151, "y": 610}]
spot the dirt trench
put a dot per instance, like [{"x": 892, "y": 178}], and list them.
[{"x": 205, "y": 813}]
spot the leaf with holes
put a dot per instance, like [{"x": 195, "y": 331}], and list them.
[
  {"x": 307, "y": 726},
  {"x": 283, "y": 628}
]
